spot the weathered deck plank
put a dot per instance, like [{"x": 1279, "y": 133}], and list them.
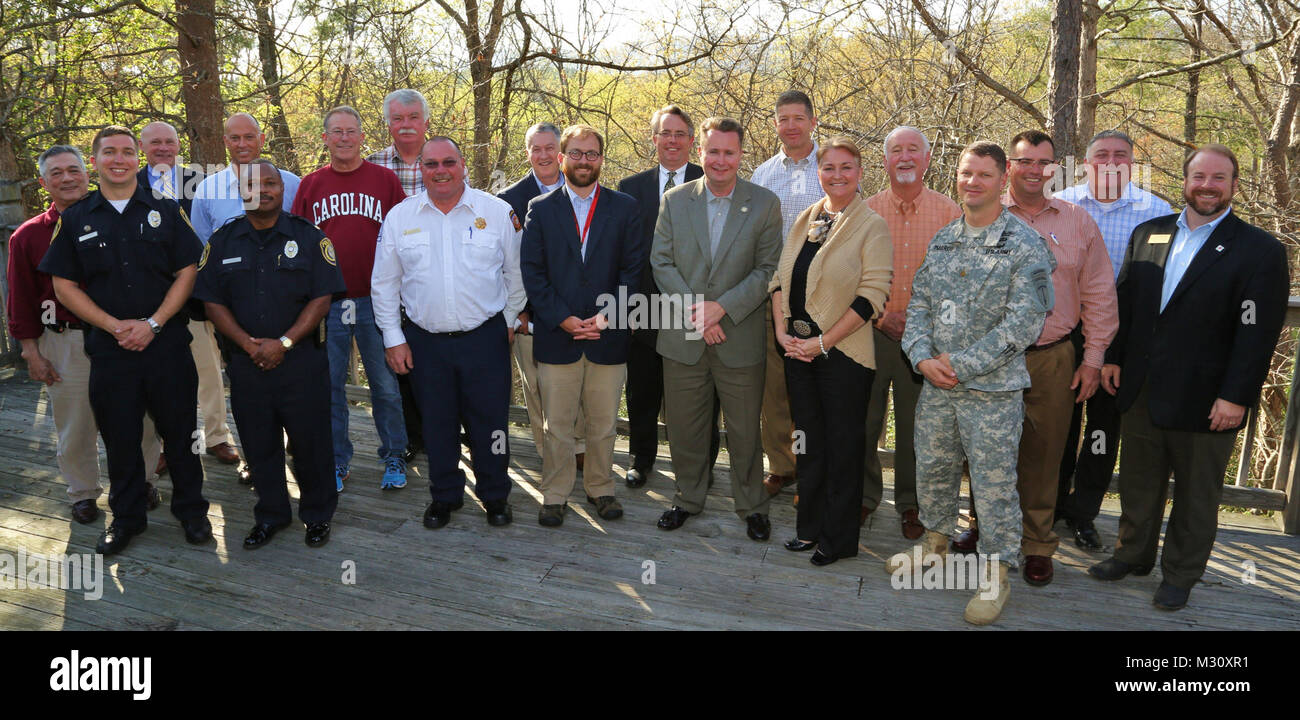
[{"x": 586, "y": 574}]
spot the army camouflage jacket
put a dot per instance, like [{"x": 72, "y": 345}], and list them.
[{"x": 983, "y": 300}]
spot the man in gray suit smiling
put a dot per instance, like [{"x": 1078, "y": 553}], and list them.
[{"x": 718, "y": 239}]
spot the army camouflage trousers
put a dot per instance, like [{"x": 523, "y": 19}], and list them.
[{"x": 984, "y": 428}]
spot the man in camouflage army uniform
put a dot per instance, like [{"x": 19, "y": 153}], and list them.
[{"x": 978, "y": 301}]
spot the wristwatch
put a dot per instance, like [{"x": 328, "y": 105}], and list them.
[
  {"x": 154, "y": 326},
  {"x": 286, "y": 342}
]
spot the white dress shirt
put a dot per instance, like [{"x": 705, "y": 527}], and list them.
[
  {"x": 678, "y": 179},
  {"x": 581, "y": 206},
  {"x": 450, "y": 274}
]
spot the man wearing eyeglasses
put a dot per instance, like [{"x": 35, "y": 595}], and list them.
[
  {"x": 1084, "y": 292},
  {"x": 450, "y": 255},
  {"x": 348, "y": 199},
  {"x": 581, "y": 352}
]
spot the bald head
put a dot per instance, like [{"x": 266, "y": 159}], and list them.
[
  {"x": 244, "y": 138},
  {"x": 160, "y": 144}
]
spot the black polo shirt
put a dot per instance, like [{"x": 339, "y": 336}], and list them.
[
  {"x": 126, "y": 261},
  {"x": 266, "y": 277}
]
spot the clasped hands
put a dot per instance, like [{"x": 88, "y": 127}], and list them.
[
  {"x": 588, "y": 329},
  {"x": 705, "y": 317},
  {"x": 267, "y": 353},
  {"x": 939, "y": 371},
  {"x": 132, "y": 334},
  {"x": 805, "y": 350}
]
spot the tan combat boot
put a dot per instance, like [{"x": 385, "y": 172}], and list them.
[
  {"x": 986, "y": 606},
  {"x": 932, "y": 549}
]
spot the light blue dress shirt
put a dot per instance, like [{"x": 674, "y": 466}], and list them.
[
  {"x": 1182, "y": 250},
  {"x": 217, "y": 200}
]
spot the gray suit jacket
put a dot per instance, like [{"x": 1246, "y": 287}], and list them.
[{"x": 737, "y": 279}]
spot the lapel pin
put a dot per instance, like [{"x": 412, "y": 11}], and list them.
[
  {"x": 1219, "y": 248},
  {"x": 744, "y": 208}
]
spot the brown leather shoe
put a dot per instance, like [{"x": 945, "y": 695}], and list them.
[
  {"x": 775, "y": 483},
  {"x": 85, "y": 511},
  {"x": 224, "y": 453},
  {"x": 161, "y": 469},
  {"x": 912, "y": 527},
  {"x": 967, "y": 541},
  {"x": 579, "y": 459},
  {"x": 1038, "y": 570},
  {"x": 862, "y": 518}
]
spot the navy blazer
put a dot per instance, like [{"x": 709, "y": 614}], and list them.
[
  {"x": 560, "y": 283},
  {"x": 190, "y": 180},
  {"x": 519, "y": 195},
  {"x": 1216, "y": 336},
  {"x": 644, "y": 186}
]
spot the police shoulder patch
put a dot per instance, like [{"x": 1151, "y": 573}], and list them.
[
  {"x": 515, "y": 219},
  {"x": 203, "y": 259},
  {"x": 327, "y": 251}
]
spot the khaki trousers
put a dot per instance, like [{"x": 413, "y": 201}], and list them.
[
  {"x": 1048, "y": 405},
  {"x": 777, "y": 427},
  {"x": 212, "y": 394},
  {"x": 523, "y": 352},
  {"x": 582, "y": 388},
  {"x": 78, "y": 455},
  {"x": 892, "y": 368},
  {"x": 688, "y": 408}
]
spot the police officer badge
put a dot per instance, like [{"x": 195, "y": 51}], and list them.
[
  {"x": 155, "y": 219},
  {"x": 291, "y": 249},
  {"x": 480, "y": 223}
]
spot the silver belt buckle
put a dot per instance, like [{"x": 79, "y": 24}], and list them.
[{"x": 802, "y": 328}]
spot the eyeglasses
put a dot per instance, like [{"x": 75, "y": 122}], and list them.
[
  {"x": 578, "y": 154},
  {"x": 1030, "y": 162},
  {"x": 433, "y": 164},
  {"x": 349, "y": 133},
  {"x": 678, "y": 135}
]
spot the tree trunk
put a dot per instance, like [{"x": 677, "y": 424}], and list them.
[
  {"x": 1088, "y": 99},
  {"x": 281, "y": 138},
  {"x": 1063, "y": 81},
  {"x": 200, "y": 81},
  {"x": 1280, "y": 139},
  {"x": 1193, "y": 89}
]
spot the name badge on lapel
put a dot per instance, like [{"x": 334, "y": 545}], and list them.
[{"x": 1159, "y": 239}]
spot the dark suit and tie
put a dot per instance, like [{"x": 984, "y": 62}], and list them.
[
  {"x": 571, "y": 273},
  {"x": 178, "y": 186},
  {"x": 645, "y": 368},
  {"x": 1213, "y": 340}
]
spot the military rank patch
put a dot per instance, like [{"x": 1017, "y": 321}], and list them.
[
  {"x": 327, "y": 251},
  {"x": 203, "y": 259},
  {"x": 515, "y": 219}
]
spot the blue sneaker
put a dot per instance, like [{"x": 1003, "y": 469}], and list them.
[
  {"x": 394, "y": 474},
  {"x": 341, "y": 473}
]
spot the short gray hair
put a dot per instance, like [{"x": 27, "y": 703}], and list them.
[
  {"x": 406, "y": 96},
  {"x": 540, "y": 128},
  {"x": 903, "y": 128},
  {"x": 59, "y": 150},
  {"x": 1107, "y": 134},
  {"x": 344, "y": 109}
]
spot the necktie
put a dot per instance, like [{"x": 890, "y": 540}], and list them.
[
  {"x": 670, "y": 184},
  {"x": 168, "y": 185}
]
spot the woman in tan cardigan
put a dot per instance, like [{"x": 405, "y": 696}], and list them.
[{"x": 832, "y": 280}]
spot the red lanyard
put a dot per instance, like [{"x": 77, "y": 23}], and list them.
[{"x": 591, "y": 211}]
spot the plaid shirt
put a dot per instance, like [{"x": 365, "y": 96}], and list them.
[
  {"x": 911, "y": 226},
  {"x": 794, "y": 182},
  {"x": 1117, "y": 219},
  {"x": 412, "y": 181}
]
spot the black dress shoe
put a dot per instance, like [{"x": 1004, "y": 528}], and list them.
[
  {"x": 797, "y": 545},
  {"x": 243, "y": 474},
  {"x": 1168, "y": 597},
  {"x": 411, "y": 451},
  {"x": 672, "y": 518},
  {"x": 85, "y": 511},
  {"x": 1115, "y": 569},
  {"x": 636, "y": 478},
  {"x": 261, "y": 534},
  {"x": 318, "y": 534},
  {"x": 197, "y": 530},
  {"x": 821, "y": 559},
  {"x": 439, "y": 513},
  {"x": 1085, "y": 536},
  {"x": 757, "y": 527},
  {"x": 152, "y": 498},
  {"x": 115, "y": 539},
  {"x": 498, "y": 512}
]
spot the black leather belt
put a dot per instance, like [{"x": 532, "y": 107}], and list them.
[
  {"x": 59, "y": 327},
  {"x": 802, "y": 328},
  {"x": 1034, "y": 348}
]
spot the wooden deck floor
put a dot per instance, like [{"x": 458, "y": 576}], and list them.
[{"x": 587, "y": 574}]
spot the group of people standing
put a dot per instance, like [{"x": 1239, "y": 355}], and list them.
[{"x": 995, "y": 320}]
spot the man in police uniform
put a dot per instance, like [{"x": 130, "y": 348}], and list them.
[
  {"x": 978, "y": 300},
  {"x": 124, "y": 262},
  {"x": 267, "y": 280}
]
